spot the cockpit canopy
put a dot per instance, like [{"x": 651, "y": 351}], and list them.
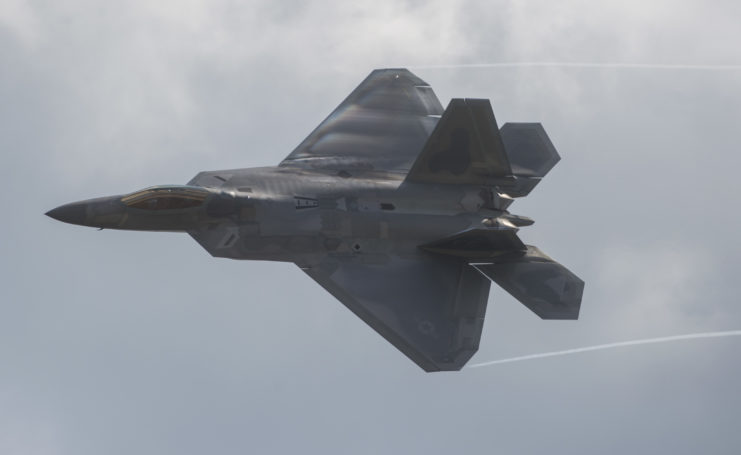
[{"x": 166, "y": 197}]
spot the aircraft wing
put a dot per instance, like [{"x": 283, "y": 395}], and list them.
[
  {"x": 383, "y": 124},
  {"x": 430, "y": 307}
]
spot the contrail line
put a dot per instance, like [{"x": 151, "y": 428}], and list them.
[
  {"x": 690, "y": 336},
  {"x": 659, "y": 66}
]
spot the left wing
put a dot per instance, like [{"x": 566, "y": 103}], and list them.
[
  {"x": 430, "y": 307},
  {"x": 382, "y": 125}
]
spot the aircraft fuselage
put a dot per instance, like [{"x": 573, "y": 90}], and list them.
[{"x": 284, "y": 214}]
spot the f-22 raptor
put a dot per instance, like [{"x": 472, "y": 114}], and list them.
[{"x": 395, "y": 206}]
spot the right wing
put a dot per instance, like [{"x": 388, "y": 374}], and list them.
[{"x": 430, "y": 307}]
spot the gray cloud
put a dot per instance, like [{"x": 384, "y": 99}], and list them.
[{"x": 121, "y": 342}]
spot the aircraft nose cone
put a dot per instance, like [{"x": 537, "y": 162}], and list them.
[{"x": 75, "y": 213}]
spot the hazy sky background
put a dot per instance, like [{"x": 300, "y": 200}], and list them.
[{"x": 141, "y": 343}]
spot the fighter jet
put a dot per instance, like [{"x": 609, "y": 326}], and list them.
[{"x": 395, "y": 206}]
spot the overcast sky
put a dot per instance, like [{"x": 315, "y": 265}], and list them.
[{"x": 141, "y": 343}]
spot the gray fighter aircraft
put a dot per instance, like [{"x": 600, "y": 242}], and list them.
[{"x": 395, "y": 206}]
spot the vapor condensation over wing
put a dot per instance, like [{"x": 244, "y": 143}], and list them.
[{"x": 690, "y": 336}]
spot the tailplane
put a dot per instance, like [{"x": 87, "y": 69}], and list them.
[
  {"x": 543, "y": 285},
  {"x": 531, "y": 155}
]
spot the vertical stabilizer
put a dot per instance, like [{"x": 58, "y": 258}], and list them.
[{"x": 464, "y": 148}]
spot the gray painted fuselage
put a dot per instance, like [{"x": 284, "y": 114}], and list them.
[{"x": 292, "y": 215}]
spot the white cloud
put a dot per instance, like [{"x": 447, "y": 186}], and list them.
[
  {"x": 659, "y": 289},
  {"x": 26, "y": 431},
  {"x": 126, "y": 81},
  {"x": 19, "y": 18}
]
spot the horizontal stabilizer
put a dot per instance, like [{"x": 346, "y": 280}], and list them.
[
  {"x": 464, "y": 148},
  {"x": 549, "y": 289},
  {"x": 531, "y": 155}
]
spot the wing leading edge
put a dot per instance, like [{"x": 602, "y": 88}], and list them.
[{"x": 429, "y": 307}]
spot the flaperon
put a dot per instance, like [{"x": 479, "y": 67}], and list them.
[{"x": 395, "y": 206}]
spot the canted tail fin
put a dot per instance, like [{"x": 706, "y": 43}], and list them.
[
  {"x": 464, "y": 148},
  {"x": 467, "y": 147}
]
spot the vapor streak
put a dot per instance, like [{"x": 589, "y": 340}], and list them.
[
  {"x": 659, "y": 66},
  {"x": 690, "y": 336}
]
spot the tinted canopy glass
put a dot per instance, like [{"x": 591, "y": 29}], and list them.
[{"x": 166, "y": 198}]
